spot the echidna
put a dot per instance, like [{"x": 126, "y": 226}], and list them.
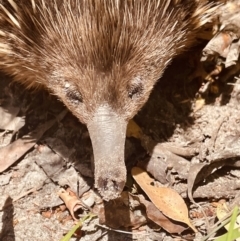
[{"x": 101, "y": 58}]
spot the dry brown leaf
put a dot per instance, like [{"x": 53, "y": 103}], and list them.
[
  {"x": 167, "y": 200},
  {"x": 12, "y": 152},
  {"x": 200, "y": 171},
  {"x": 157, "y": 217},
  {"x": 163, "y": 161}
]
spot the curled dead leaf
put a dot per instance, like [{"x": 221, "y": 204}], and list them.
[
  {"x": 71, "y": 200},
  {"x": 163, "y": 160}
]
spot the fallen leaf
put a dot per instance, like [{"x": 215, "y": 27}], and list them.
[
  {"x": 162, "y": 161},
  {"x": 9, "y": 118},
  {"x": 199, "y": 103},
  {"x": 133, "y": 130},
  {"x": 218, "y": 45},
  {"x": 232, "y": 227},
  {"x": 12, "y": 152},
  {"x": 77, "y": 228},
  {"x": 200, "y": 171},
  {"x": 235, "y": 236},
  {"x": 167, "y": 200},
  {"x": 193, "y": 177},
  {"x": 71, "y": 200},
  {"x": 223, "y": 211},
  {"x": 157, "y": 217}
]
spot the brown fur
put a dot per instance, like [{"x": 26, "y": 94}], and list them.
[{"x": 101, "y": 58}]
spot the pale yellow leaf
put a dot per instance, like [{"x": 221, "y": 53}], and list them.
[
  {"x": 133, "y": 130},
  {"x": 199, "y": 104}
]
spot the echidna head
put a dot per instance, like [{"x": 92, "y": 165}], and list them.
[
  {"x": 103, "y": 66},
  {"x": 101, "y": 58}
]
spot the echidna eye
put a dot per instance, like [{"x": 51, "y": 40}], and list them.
[
  {"x": 74, "y": 97},
  {"x": 135, "y": 90}
]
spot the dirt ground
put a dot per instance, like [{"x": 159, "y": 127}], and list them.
[{"x": 202, "y": 131}]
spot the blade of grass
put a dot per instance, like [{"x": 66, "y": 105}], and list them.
[
  {"x": 78, "y": 225},
  {"x": 221, "y": 223},
  {"x": 235, "y": 235},
  {"x": 232, "y": 224}
]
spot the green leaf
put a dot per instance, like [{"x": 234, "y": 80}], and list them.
[
  {"x": 232, "y": 223},
  {"x": 223, "y": 222},
  {"x": 78, "y": 225},
  {"x": 234, "y": 235}
]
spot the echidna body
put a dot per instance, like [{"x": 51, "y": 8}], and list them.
[{"x": 101, "y": 58}]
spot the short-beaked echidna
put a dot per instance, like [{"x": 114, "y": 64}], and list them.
[{"x": 101, "y": 58}]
